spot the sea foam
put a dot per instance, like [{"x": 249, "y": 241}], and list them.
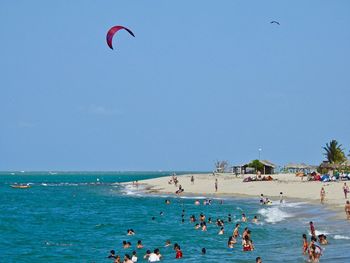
[
  {"x": 273, "y": 214},
  {"x": 341, "y": 237}
]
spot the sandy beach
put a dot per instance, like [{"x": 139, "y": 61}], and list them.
[{"x": 230, "y": 185}]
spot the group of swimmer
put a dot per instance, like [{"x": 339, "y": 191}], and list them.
[
  {"x": 313, "y": 249},
  {"x": 200, "y": 223},
  {"x": 149, "y": 256}
]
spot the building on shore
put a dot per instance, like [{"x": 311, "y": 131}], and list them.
[
  {"x": 299, "y": 168},
  {"x": 268, "y": 168}
]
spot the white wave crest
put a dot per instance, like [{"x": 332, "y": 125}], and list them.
[
  {"x": 341, "y": 237},
  {"x": 273, "y": 214},
  {"x": 319, "y": 232}
]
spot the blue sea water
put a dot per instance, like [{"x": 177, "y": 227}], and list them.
[{"x": 80, "y": 217}]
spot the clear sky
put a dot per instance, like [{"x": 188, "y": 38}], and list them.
[{"x": 201, "y": 81}]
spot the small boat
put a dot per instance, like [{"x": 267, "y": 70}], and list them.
[{"x": 20, "y": 186}]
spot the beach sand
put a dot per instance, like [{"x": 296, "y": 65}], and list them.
[{"x": 230, "y": 185}]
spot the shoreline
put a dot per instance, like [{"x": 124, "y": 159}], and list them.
[{"x": 229, "y": 185}]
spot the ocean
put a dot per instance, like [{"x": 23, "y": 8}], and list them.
[{"x": 81, "y": 216}]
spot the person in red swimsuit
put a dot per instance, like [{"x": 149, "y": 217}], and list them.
[
  {"x": 178, "y": 252},
  {"x": 247, "y": 244}
]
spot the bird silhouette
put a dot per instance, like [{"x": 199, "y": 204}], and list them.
[{"x": 274, "y": 22}]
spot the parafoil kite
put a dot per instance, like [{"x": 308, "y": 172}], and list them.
[{"x": 111, "y": 32}]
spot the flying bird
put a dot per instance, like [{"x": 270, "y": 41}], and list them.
[{"x": 274, "y": 22}]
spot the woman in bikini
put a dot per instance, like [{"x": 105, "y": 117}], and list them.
[{"x": 247, "y": 244}]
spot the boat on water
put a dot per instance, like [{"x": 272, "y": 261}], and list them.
[{"x": 20, "y": 186}]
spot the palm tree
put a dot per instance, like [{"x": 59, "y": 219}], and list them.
[{"x": 334, "y": 152}]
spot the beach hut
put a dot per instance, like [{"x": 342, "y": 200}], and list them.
[
  {"x": 268, "y": 167},
  {"x": 299, "y": 168}
]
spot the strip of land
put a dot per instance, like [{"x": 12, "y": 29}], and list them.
[{"x": 293, "y": 187}]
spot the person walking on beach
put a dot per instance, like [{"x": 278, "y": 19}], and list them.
[
  {"x": 192, "y": 179},
  {"x": 347, "y": 210},
  {"x": 345, "y": 190},
  {"x": 322, "y": 195},
  {"x": 216, "y": 184}
]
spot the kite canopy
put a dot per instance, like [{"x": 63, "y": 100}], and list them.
[{"x": 111, "y": 32}]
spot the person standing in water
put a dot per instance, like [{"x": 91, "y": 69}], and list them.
[
  {"x": 347, "y": 210},
  {"x": 236, "y": 231},
  {"x": 305, "y": 244},
  {"x": 322, "y": 195},
  {"x": 312, "y": 229},
  {"x": 178, "y": 252},
  {"x": 281, "y": 198}
]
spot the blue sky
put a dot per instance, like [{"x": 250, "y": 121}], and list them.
[{"x": 201, "y": 81}]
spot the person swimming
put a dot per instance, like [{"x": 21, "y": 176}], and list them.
[
  {"x": 112, "y": 254},
  {"x": 192, "y": 219},
  {"x": 139, "y": 244},
  {"x": 322, "y": 239},
  {"x": 222, "y": 231},
  {"x": 255, "y": 220},
  {"x": 130, "y": 232},
  {"x": 204, "y": 251},
  {"x": 126, "y": 244},
  {"x": 167, "y": 243},
  {"x": 244, "y": 218},
  {"x": 204, "y": 226}
]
